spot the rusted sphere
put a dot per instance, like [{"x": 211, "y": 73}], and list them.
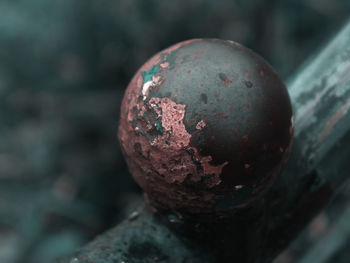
[{"x": 206, "y": 126}]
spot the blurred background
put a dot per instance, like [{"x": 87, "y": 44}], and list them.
[{"x": 64, "y": 66}]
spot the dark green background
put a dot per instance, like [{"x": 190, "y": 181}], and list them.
[{"x": 64, "y": 66}]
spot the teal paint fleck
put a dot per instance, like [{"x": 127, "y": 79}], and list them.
[
  {"x": 238, "y": 197},
  {"x": 147, "y": 76},
  {"x": 159, "y": 126},
  {"x": 171, "y": 58}
]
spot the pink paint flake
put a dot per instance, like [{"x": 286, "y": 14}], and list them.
[
  {"x": 172, "y": 115},
  {"x": 200, "y": 125},
  {"x": 164, "y": 65}
]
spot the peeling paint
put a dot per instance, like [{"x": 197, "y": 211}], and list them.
[
  {"x": 200, "y": 125},
  {"x": 150, "y": 80},
  {"x": 210, "y": 171},
  {"x": 172, "y": 122},
  {"x": 164, "y": 134},
  {"x": 164, "y": 65}
]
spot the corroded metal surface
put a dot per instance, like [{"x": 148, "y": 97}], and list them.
[
  {"x": 308, "y": 183},
  {"x": 321, "y": 102},
  {"x": 206, "y": 126},
  {"x": 320, "y": 95}
]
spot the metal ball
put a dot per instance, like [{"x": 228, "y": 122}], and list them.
[{"x": 206, "y": 127}]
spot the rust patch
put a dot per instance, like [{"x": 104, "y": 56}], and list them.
[
  {"x": 200, "y": 125},
  {"x": 172, "y": 116},
  {"x": 209, "y": 170}
]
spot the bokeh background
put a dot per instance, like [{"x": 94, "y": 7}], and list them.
[{"x": 64, "y": 66}]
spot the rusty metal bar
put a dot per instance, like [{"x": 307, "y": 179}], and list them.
[
  {"x": 320, "y": 95},
  {"x": 321, "y": 99}
]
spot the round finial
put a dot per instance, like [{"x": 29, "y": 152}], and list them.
[{"x": 206, "y": 126}]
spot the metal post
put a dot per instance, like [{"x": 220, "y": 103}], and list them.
[{"x": 320, "y": 94}]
